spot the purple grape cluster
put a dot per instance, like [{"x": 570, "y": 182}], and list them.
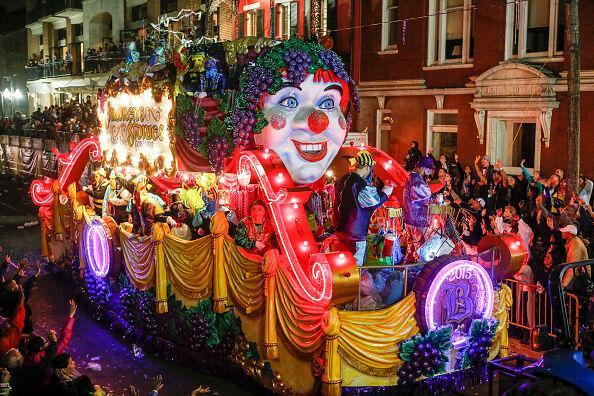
[
  {"x": 190, "y": 124},
  {"x": 146, "y": 313},
  {"x": 297, "y": 63},
  {"x": 478, "y": 350},
  {"x": 200, "y": 332},
  {"x": 333, "y": 61},
  {"x": 217, "y": 147},
  {"x": 242, "y": 123},
  {"x": 259, "y": 79},
  {"x": 128, "y": 304},
  {"x": 425, "y": 361}
]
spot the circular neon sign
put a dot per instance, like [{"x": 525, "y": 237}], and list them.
[
  {"x": 454, "y": 293},
  {"x": 98, "y": 247}
]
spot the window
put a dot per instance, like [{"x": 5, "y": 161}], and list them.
[
  {"x": 442, "y": 132},
  {"x": 168, "y": 6},
  {"x": 77, "y": 29},
  {"x": 138, "y": 13},
  {"x": 535, "y": 28},
  {"x": 254, "y": 23},
  {"x": 287, "y": 17},
  {"x": 451, "y": 32},
  {"x": 389, "y": 24},
  {"x": 61, "y": 33}
]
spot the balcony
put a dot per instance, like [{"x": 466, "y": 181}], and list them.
[
  {"x": 53, "y": 69},
  {"x": 54, "y": 8}
]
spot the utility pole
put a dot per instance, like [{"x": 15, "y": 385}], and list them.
[{"x": 572, "y": 33}]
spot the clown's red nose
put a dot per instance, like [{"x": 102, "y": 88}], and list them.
[{"x": 317, "y": 121}]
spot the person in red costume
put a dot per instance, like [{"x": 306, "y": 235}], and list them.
[
  {"x": 11, "y": 328},
  {"x": 255, "y": 231},
  {"x": 40, "y": 353}
]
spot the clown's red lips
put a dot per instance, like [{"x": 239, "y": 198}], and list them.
[{"x": 311, "y": 152}]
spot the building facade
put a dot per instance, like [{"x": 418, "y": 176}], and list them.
[
  {"x": 62, "y": 33},
  {"x": 285, "y": 18},
  {"x": 474, "y": 77},
  {"x": 13, "y": 55}
]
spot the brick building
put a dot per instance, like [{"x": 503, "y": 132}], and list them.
[{"x": 473, "y": 76}]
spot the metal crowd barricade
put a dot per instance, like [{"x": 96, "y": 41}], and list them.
[{"x": 532, "y": 308}]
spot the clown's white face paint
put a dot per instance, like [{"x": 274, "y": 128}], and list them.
[{"x": 306, "y": 128}]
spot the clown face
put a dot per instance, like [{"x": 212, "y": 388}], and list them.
[{"x": 306, "y": 127}]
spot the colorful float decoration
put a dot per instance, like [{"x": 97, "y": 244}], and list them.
[{"x": 211, "y": 132}]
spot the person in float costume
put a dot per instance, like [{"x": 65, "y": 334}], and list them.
[
  {"x": 416, "y": 200},
  {"x": 294, "y": 100},
  {"x": 255, "y": 231},
  {"x": 357, "y": 199}
]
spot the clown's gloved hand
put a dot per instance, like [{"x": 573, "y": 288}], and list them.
[{"x": 388, "y": 190}]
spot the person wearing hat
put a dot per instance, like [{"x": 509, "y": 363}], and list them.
[
  {"x": 179, "y": 218},
  {"x": 575, "y": 251},
  {"x": 357, "y": 199},
  {"x": 116, "y": 198},
  {"x": 96, "y": 190},
  {"x": 145, "y": 210},
  {"x": 416, "y": 199}
]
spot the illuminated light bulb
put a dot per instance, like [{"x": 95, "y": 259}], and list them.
[
  {"x": 330, "y": 173},
  {"x": 390, "y": 163},
  {"x": 289, "y": 217},
  {"x": 305, "y": 243},
  {"x": 266, "y": 151},
  {"x": 280, "y": 175},
  {"x": 341, "y": 256},
  {"x": 295, "y": 206}
]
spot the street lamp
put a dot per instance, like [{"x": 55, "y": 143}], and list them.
[{"x": 11, "y": 95}]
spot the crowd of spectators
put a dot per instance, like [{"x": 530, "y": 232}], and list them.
[
  {"x": 32, "y": 363},
  {"x": 555, "y": 224},
  {"x": 71, "y": 118},
  {"x": 48, "y": 60}
]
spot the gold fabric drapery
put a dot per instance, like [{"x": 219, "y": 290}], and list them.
[
  {"x": 369, "y": 340},
  {"x": 189, "y": 265},
  {"x": 244, "y": 276},
  {"x": 298, "y": 319},
  {"x": 139, "y": 259}
]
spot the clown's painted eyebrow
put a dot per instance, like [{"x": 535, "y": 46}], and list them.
[
  {"x": 334, "y": 86},
  {"x": 288, "y": 84}
]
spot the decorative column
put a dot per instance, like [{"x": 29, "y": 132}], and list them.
[
  {"x": 218, "y": 229},
  {"x": 332, "y": 377},
  {"x": 159, "y": 231},
  {"x": 269, "y": 267}
]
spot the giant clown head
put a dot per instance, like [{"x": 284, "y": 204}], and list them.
[{"x": 294, "y": 99}]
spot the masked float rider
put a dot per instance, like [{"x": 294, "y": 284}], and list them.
[
  {"x": 116, "y": 199},
  {"x": 145, "y": 210},
  {"x": 357, "y": 199},
  {"x": 416, "y": 200},
  {"x": 255, "y": 231},
  {"x": 96, "y": 190}
]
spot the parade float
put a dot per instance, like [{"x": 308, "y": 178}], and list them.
[{"x": 227, "y": 127}]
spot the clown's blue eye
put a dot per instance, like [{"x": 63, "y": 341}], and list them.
[
  {"x": 289, "y": 102},
  {"x": 327, "y": 104}
]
